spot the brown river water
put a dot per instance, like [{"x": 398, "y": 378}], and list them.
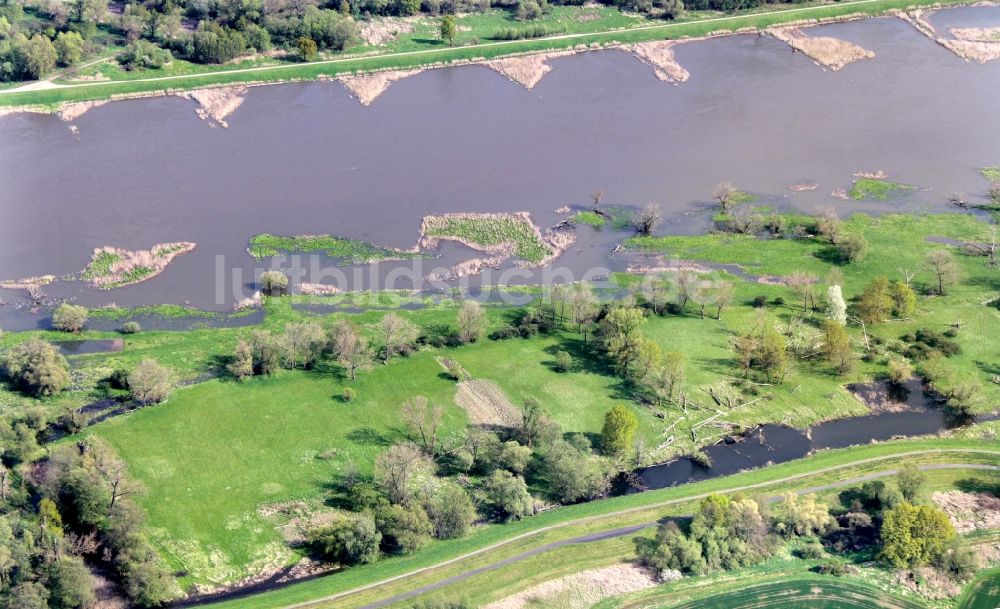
[{"x": 307, "y": 158}]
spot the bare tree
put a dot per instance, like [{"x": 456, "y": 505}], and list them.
[
  {"x": 725, "y": 194},
  {"x": 596, "y": 197},
  {"x": 114, "y": 471},
  {"x": 941, "y": 263},
  {"x": 801, "y": 283},
  {"x": 744, "y": 220},
  {"x": 471, "y": 321},
  {"x": 685, "y": 286},
  {"x": 395, "y": 468},
  {"x": 724, "y": 293},
  {"x": 656, "y": 290},
  {"x": 584, "y": 304},
  {"x": 828, "y": 224},
  {"x": 396, "y": 332},
  {"x": 422, "y": 420},
  {"x": 985, "y": 249},
  {"x": 648, "y": 219},
  {"x": 703, "y": 295},
  {"x": 302, "y": 339},
  {"x": 150, "y": 383},
  {"x": 350, "y": 346}
]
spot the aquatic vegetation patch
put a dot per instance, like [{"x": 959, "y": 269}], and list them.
[
  {"x": 990, "y": 173},
  {"x": 112, "y": 267},
  {"x": 878, "y": 189},
  {"x": 266, "y": 245},
  {"x": 512, "y": 234},
  {"x": 590, "y": 218}
]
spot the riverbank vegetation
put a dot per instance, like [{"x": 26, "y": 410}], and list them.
[{"x": 419, "y": 45}]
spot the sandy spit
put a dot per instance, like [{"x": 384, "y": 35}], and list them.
[
  {"x": 367, "y": 87},
  {"x": 581, "y": 589},
  {"x": 660, "y": 55},
  {"x": 526, "y": 70},
  {"x": 827, "y": 51},
  {"x": 965, "y": 44},
  {"x": 27, "y": 283},
  {"x": 71, "y": 112},
  {"x": 217, "y": 103}
]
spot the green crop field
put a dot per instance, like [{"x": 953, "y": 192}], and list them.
[
  {"x": 814, "y": 592},
  {"x": 983, "y": 592}
]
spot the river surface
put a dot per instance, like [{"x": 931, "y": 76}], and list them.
[{"x": 307, "y": 158}]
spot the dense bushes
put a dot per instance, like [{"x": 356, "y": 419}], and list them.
[
  {"x": 143, "y": 54},
  {"x": 36, "y": 367}
]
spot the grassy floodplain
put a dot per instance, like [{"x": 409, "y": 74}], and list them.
[
  {"x": 218, "y": 452},
  {"x": 694, "y": 25}
]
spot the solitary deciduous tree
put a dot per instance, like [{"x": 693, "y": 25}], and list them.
[
  {"x": 396, "y": 333},
  {"x": 471, "y": 321},
  {"x": 302, "y": 343},
  {"x": 150, "y": 383},
  {"x": 724, "y": 292},
  {"x": 836, "y": 308},
  {"x": 946, "y": 271},
  {"x": 69, "y": 318},
  {"x": 876, "y": 302},
  {"x": 422, "y": 420},
  {"x": 837, "y": 346},
  {"x": 904, "y": 299},
  {"x": 646, "y": 220},
  {"x": 273, "y": 283},
  {"x": 395, "y": 468},
  {"x": 725, "y": 194},
  {"x": 620, "y": 332},
  {"x": 828, "y": 225},
  {"x": 350, "y": 346},
  {"x": 36, "y": 366},
  {"x": 241, "y": 365},
  {"x": 596, "y": 197},
  {"x": 802, "y": 284},
  {"x": 618, "y": 433},
  {"x": 448, "y": 29},
  {"x": 583, "y": 304}
]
